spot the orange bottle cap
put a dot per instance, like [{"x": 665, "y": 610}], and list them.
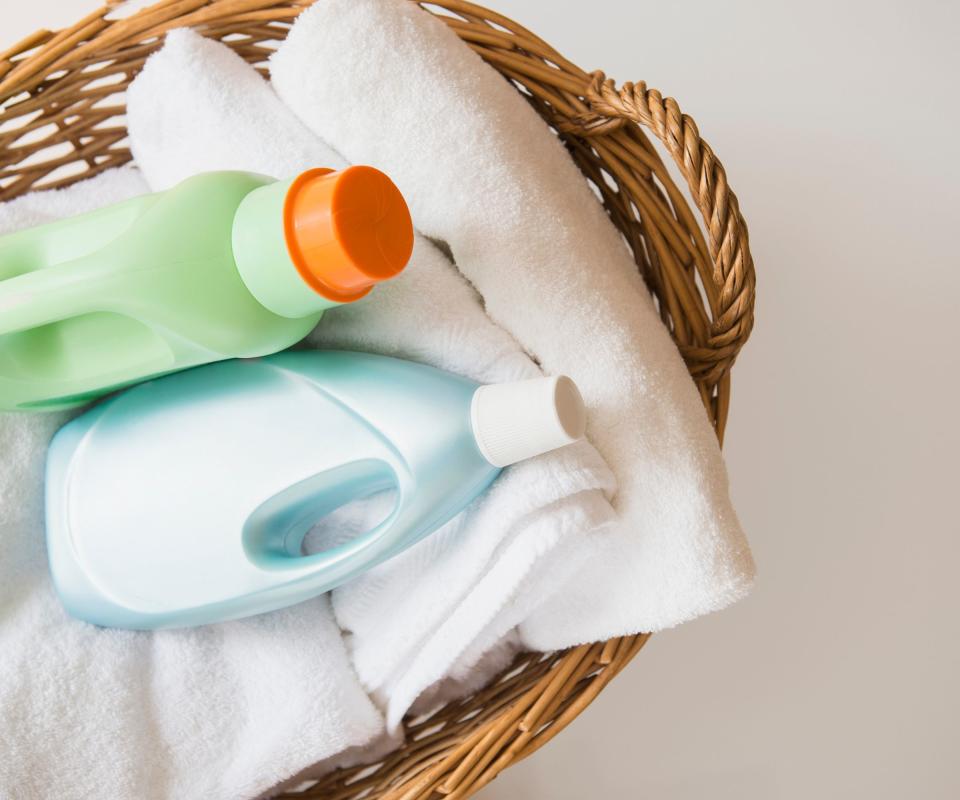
[{"x": 346, "y": 230}]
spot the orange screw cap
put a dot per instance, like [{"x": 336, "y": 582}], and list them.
[{"x": 346, "y": 230}]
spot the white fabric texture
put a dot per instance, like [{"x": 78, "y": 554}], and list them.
[
  {"x": 436, "y": 609},
  {"x": 218, "y": 712},
  {"x": 482, "y": 172}
]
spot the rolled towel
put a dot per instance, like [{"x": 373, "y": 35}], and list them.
[
  {"x": 221, "y": 712},
  {"x": 192, "y": 110},
  {"x": 436, "y": 609},
  {"x": 387, "y": 84}
]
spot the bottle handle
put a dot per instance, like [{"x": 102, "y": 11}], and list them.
[
  {"x": 336, "y": 565},
  {"x": 275, "y": 530},
  {"x": 45, "y": 296},
  {"x": 34, "y": 293}
]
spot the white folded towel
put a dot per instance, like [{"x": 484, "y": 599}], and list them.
[
  {"x": 224, "y": 711},
  {"x": 389, "y": 85},
  {"x": 198, "y": 107},
  {"x": 436, "y": 609}
]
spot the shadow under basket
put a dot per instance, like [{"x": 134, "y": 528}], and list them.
[{"x": 62, "y": 120}]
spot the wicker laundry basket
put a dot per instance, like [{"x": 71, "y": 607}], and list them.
[{"x": 61, "y": 119}]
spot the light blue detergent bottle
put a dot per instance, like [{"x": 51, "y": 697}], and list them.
[{"x": 186, "y": 500}]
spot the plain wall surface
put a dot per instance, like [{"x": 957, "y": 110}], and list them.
[{"x": 837, "y": 123}]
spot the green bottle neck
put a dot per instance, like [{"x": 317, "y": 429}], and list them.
[{"x": 263, "y": 257}]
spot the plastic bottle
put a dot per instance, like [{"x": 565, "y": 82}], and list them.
[
  {"x": 185, "y": 500},
  {"x": 223, "y": 265}
]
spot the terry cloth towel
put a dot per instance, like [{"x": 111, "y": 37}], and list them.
[
  {"x": 220, "y": 712},
  {"x": 387, "y": 84},
  {"x": 433, "y": 611}
]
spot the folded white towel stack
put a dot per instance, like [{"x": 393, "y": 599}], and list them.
[
  {"x": 216, "y": 712},
  {"x": 483, "y": 173},
  {"x": 437, "y": 608}
]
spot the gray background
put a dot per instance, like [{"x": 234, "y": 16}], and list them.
[{"x": 836, "y": 679}]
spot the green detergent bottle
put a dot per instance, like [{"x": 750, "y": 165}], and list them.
[{"x": 224, "y": 265}]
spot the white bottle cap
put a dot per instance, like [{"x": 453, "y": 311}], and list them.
[{"x": 514, "y": 421}]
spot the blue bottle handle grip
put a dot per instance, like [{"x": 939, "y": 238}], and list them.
[
  {"x": 276, "y": 529},
  {"x": 332, "y": 566}
]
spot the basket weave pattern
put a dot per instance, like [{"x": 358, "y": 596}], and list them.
[{"x": 62, "y": 119}]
